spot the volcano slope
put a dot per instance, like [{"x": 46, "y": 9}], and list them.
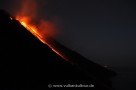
[{"x": 25, "y": 62}]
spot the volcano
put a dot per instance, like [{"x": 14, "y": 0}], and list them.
[{"x": 26, "y": 62}]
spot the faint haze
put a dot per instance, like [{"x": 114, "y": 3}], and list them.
[{"x": 100, "y": 30}]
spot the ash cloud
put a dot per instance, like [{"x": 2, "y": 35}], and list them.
[{"x": 35, "y": 11}]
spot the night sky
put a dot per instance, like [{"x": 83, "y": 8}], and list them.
[{"x": 104, "y": 31}]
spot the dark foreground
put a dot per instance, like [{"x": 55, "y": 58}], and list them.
[{"x": 27, "y": 63}]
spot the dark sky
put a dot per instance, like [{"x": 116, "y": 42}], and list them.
[{"x": 101, "y": 30}]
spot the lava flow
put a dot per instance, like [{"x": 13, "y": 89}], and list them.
[
  {"x": 41, "y": 28},
  {"x": 34, "y": 30}
]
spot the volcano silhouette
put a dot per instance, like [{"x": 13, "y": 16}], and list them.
[{"x": 25, "y": 62}]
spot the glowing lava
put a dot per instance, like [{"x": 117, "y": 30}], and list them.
[
  {"x": 29, "y": 18},
  {"x": 34, "y": 30}
]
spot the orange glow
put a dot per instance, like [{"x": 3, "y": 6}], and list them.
[
  {"x": 37, "y": 34},
  {"x": 29, "y": 18},
  {"x": 29, "y": 14}
]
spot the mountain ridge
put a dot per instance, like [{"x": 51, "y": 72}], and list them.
[{"x": 24, "y": 60}]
